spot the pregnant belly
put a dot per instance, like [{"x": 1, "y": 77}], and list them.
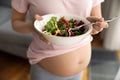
[{"x": 69, "y": 63}]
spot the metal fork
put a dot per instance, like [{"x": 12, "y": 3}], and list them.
[{"x": 109, "y": 20}]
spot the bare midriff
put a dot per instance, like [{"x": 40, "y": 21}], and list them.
[{"x": 68, "y": 64}]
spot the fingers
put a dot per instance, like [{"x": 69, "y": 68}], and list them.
[
  {"x": 94, "y": 19},
  {"x": 94, "y": 32},
  {"x": 98, "y": 27},
  {"x": 43, "y": 39},
  {"x": 101, "y": 19}
]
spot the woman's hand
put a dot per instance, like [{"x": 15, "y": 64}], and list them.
[
  {"x": 99, "y": 25},
  {"x": 38, "y": 17}
]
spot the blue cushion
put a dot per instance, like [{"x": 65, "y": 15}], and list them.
[
  {"x": 5, "y": 14},
  {"x": 5, "y": 3}
]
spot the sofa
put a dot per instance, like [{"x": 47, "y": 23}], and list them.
[{"x": 11, "y": 41}]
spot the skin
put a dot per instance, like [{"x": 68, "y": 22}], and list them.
[{"x": 69, "y": 63}]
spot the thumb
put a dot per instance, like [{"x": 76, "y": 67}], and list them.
[{"x": 38, "y": 17}]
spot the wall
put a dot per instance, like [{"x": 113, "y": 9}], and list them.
[{"x": 111, "y": 38}]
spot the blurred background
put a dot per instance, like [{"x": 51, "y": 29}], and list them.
[{"x": 105, "y": 47}]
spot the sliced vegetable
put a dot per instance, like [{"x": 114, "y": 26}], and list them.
[{"x": 62, "y": 26}]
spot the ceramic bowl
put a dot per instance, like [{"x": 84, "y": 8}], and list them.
[{"x": 58, "y": 40}]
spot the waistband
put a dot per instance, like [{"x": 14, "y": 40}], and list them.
[{"x": 36, "y": 69}]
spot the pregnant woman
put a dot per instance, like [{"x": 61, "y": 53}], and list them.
[{"x": 50, "y": 62}]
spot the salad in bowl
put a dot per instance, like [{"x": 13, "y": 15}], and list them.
[
  {"x": 57, "y": 28},
  {"x": 63, "y": 27}
]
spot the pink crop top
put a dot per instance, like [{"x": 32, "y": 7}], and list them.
[{"x": 38, "y": 49}]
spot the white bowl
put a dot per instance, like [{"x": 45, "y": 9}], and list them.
[{"x": 58, "y": 40}]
